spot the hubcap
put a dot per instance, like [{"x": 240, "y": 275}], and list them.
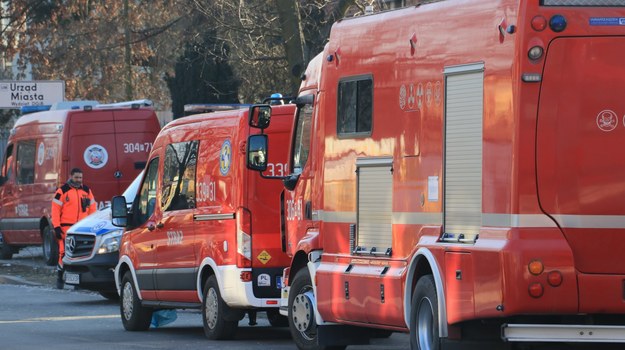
[
  {"x": 127, "y": 296},
  {"x": 425, "y": 325},
  {"x": 211, "y": 310},
  {"x": 303, "y": 313}
]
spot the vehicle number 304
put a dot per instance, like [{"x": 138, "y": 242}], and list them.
[
  {"x": 174, "y": 237},
  {"x": 137, "y": 147}
]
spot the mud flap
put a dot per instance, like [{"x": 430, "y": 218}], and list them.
[{"x": 341, "y": 335}]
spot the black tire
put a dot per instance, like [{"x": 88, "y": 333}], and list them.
[
  {"x": 277, "y": 320},
  {"x": 135, "y": 317},
  {"x": 302, "y": 323},
  {"x": 424, "y": 316},
  {"x": 6, "y": 252},
  {"x": 109, "y": 295},
  {"x": 220, "y": 322},
  {"x": 50, "y": 246}
]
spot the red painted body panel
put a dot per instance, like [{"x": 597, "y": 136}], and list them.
[
  {"x": 552, "y": 178},
  {"x": 64, "y": 139}
]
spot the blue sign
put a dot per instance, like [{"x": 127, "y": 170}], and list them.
[{"x": 607, "y": 21}]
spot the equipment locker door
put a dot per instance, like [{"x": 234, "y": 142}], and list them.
[{"x": 462, "y": 186}]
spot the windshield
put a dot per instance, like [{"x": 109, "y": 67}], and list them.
[
  {"x": 132, "y": 189},
  {"x": 302, "y": 138}
]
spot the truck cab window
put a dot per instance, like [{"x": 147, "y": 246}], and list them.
[
  {"x": 179, "y": 176},
  {"x": 147, "y": 194},
  {"x": 26, "y": 162},
  {"x": 355, "y": 106},
  {"x": 302, "y": 138}
]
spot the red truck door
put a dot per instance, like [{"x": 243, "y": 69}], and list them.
[
  {"x": 581, "y": 132},
  {"x": 111, "y": 147},
  {"x": 93, "y": 148},
  {"x": 135, "y": 131}
]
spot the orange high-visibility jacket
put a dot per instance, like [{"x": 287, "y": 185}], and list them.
[{"x": 71, "y": 204}]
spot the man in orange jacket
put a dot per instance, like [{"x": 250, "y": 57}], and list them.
[{"x": 72, "y": 202}]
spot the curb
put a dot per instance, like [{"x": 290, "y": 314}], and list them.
[{"x": 4, "y": 279}]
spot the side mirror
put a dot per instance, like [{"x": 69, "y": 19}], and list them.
[
  {"x": 290, "y": 181},
  {"x": 257, "y": 152},
  {"x": 119, "y": 211},
  {"x": 260, "y": 116}
]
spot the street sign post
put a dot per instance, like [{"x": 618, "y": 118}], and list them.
[{"x": 18, "y": 93}]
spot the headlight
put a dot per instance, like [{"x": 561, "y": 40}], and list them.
[{"x": 110, "y": 242}]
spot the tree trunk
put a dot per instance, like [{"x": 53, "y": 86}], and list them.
[{"x": 293, "y": 40}]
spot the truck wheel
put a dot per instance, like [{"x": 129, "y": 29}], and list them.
[
  {"x": 220, "y": 322},
  {"x": 135, "y": 317},
  {"x": 302, "y": 314},
  {"x": 109, "y": 295},
  {"x": 424, "y": 316},
  {"x": 277, "y": 320},
  {"x": 6, "y": 252},
  {"x": 50, "y": 246}
]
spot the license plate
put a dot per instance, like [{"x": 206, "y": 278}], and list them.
[{"x": 72, "y": 278}]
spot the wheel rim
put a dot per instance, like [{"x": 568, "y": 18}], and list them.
[
  {"x": 302, "y": 313},
  {"x": 425, "y": 325},
  {"x": 127, "y": 300},
  {"x": 211, "y": 310}
]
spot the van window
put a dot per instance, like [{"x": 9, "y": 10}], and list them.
[
  {"x": 8, "y": 162},
  {"x": 26, "y": 162},
  {"x": 355, "y": 102},
  {"x": 179, "y": 176},
  {"x": 147, "y": 194},
  {"x": 302, "y": 138}
]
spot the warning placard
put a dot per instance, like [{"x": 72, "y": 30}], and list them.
[{"x": 18, "y": 93}]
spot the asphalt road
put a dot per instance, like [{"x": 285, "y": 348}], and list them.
[{"x": 34, "y": 315}]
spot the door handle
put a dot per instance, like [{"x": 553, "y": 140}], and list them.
[
  {"x": 160, "y": 225},
  {"x": 151, "y": 227}
]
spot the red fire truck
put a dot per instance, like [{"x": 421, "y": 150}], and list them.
[
  {"x": 109, "y": 143},
  {"x": 204, "y": 231},
  {"x": 456, "y": 175}
]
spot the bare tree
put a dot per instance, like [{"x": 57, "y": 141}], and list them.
[
  {"x": 103, "y": 50},
  {"x": 272, "y": 41}
]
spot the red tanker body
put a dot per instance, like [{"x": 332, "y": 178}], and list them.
[{"x": 457, "y": 169}]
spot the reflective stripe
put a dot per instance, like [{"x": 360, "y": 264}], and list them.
[
  {"x": 57, "y": 202},
  {"x": 517, "y": 220},
  {"x": 345, "y": 217},
  {"x": 591, "y": 221},
  {"x": 492, "y": 220},
  {"x": 417, "y": 218}
]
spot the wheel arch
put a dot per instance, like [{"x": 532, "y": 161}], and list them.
[
  {"x": 424, "y": 263},
  {"x": 300, "y": 261},
  {"x": 124, "y": 265},
  {"x": 43, "y": 222},
  {"x": 208, "y": 268}
]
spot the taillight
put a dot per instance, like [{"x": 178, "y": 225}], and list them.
[{"x": 244, "y": 237}]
